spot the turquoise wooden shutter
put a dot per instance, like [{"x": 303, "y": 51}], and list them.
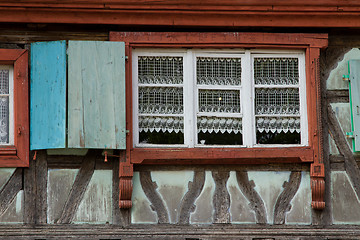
[
  {"x": 48, "y": 95},
  {"x": 354, "y": 86},
  {"x": 96, "y": 95}
]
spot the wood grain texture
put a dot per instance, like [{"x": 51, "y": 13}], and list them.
[
  {"x": 78, "y": 189},
  {"x": 256, "y": 203},
  {"x": 149, "y": 187},
  {"x": 186, "y": 13},
  {"x": 221, "y": 198},
  {"x": 41, "y": 177},
  {"x": 10, "y": 190},
  {"x": 351, "y": 167},
  {"x": 176, "y": 232},
  {"x": 282, "y": 205},
  {"x": 188, "y": 202},
  {"x": 48, "y": 95},
  {"x": 35, "y": 190},
  {"x": 96, "y": 95}
]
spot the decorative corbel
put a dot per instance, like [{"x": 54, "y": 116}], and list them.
[
  {"x": 125, "y": 183},
  {"x": 317, "y": 169}
]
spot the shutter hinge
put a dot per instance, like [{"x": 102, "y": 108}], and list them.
[
  {"x": 350, "y": 135},
  {"x": 346, "y": 77},
  {"x": 126, "y": 58}
]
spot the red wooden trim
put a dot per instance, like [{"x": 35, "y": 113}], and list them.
[
  {"x": 238, "y": 39},
  {"x": 186, "y": 13},
  {"x": 219, "y": 155},
  {"x": 319, "y": 3},
  {"x": 10, "y": 56},
  {"x": 18, "y": 155}
]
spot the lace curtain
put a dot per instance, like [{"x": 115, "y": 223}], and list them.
[
  {"x": 277, "y": 108},
  {"x": 4, "y": 106},
  {"x": 154, "y": 102}
]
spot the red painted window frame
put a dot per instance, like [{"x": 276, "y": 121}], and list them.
[
  {"x": 310, "y": 43},
  {"x": 18, "y": 154}
]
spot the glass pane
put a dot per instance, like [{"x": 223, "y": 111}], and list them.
[
  {"x": 278, "y": 138},
  {"x": 278, "y": 130},
  {"x": 218, "y": 71},
  {"x": 161, "y": 138},
  {"x": 219, "y": 131},
  {"x": 4, "y": 119},
  {"x": 161, "y": 100},
  {"x": 220, "y": 138},
  {"x": 277, "y": 101},
  {"x": 160, "y": 70},
  {"x": 161, "y": 130},
  {"x": 227, "y": 101},
  {"x": 4, "y": 81},
  {"x": 276, "y": 71}
]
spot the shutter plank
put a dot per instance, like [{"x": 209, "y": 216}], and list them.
[
  {"x": 101, "y": 76},
  {"x": 48, "y": 95},
  {"x": 355, "y": 100}
]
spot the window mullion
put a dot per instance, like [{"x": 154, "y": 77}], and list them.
[
  {"x": 189, "y": 100},
  {"x": 247, "y": 100}
]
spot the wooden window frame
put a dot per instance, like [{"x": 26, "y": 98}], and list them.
[
  {"x": 17, "y": 154},
  {"x": 312, "y": 154},
  {"x": 246, "y": 91}
]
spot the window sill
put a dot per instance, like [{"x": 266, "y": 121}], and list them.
[{"x": 221, "y": 155}]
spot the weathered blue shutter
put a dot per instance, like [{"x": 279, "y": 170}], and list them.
[
  {"x": 96, "y": 95},
  {"x": 48, "y": 95},
  {"x": 354, "y": 87}
]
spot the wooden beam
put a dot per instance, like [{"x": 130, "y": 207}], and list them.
[
  {"x": 10, "y": 190},
  {"x": 78, "y": 189}
]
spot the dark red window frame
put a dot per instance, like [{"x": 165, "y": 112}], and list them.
[
  {"x": 311, "y": 44},
  {"x": 18, "y": 154}
]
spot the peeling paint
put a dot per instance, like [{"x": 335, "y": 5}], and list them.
[
  {"x": 96, "y": 206},
  {"x": 204, "y": 210},
  {"x": 269, "y": 185},
  {"x": 141, "y": 211},
  {"x": 240, "y": 211},
  {"x": 300, "y": 211}
]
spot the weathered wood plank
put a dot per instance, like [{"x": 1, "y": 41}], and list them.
[
  {"x": 178, "y": 232},
  {"x": 11, "y": 189},
  {"x": 35, "y": 190},
  {"x": 334, "y": 96},
  {"x": 149, "y": 187},
  {"x": 282, "y": 205},
  {"x": 78, "y": 189},
  {"x": 187, "y": 204},
  {"x": 48, "y": 95},
  {"x": 96, "y": 95},
  {"x": 256, "y": 203},
  {"x": 351, "y": 166},
  {"x": 221, "y": 198},
  {"x": 41, "y": 187},
  {"x": 354, "y": 66}
]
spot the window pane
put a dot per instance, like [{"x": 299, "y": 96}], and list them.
[
  {"x": 277, "y": 107},
  {"x": 276, "y": 71},
  {"x": 278, "y": 138},
  {"x": 277, "y": 101},
  {"x": 4, "y": 81},
  {"x": 4, "y": 119},
  {"x": 161, "y": 130},
  {"x": 218, "y": 71},
  {"x": 219, "y": 131},
  {"x": 160, "y": 70},
  {"x": 227, "y": 101},
  {"x": 161, "y": 100}
]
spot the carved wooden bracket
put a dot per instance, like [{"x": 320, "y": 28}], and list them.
[
  {"x": 317, "y": 175},
  {"x": 125, "y": 184}
]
